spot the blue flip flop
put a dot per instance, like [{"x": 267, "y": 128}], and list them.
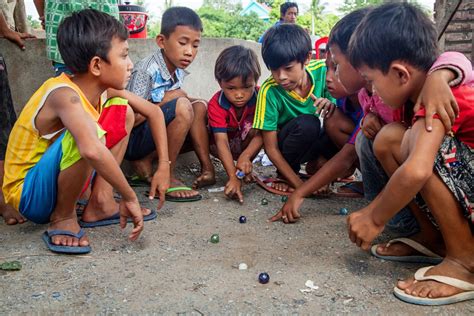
[
  {"x": 115, "y": 219},
  {"x": 71, "y": 250}
]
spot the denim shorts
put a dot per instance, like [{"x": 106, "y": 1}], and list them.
[{"x": 141, "y": 142}]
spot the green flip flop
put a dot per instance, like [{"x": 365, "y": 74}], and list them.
[{"x": 170, "y": 198}]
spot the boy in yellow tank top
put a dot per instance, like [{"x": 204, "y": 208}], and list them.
[{"x": 60, "y": 136}]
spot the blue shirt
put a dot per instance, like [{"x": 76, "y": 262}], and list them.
[
  {"x": 151, "y": 78},
  {"x": 260, "y": 40}
]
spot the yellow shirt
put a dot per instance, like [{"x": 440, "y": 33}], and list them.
[{"x": 25, "y": 145}]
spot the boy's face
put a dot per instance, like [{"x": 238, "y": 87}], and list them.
[
  {"x": 346, "y": 74},
  {"x": 392, "y": 88},
  {"x": 290, "y": 15},
  {"x": 290, "y": 76},
  {"x": 238, "y": 92},
  {"x": 116, "y": 72},
  {"x": 181, "y": 47},
  {"x": 333, "y": 85}
]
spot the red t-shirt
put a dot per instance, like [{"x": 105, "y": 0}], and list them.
[
  {"x": 463, "y": 127},
  {"x": 222, "y": 115}
]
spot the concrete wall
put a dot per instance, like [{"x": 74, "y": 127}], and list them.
[{"x": 27, "y": 70}]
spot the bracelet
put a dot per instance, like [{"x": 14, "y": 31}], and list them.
[{"x": 165, "y": 161}]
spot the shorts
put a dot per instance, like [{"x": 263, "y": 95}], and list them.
[
  {"x": 236, "y": 141},
  {"x": 455, "y": 166},
  {"x": 141, "y": 142},
  {"x": 7, "y": 111},
  {"x": 40, "y": 187}
]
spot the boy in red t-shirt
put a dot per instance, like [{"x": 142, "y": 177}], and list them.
[
  {"x": 437, "y": 166},
  {"x": 231, "y": 111}
]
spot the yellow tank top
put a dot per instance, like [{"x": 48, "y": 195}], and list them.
[{"x": 25, "y": 145}]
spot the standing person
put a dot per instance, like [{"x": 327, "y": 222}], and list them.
[
  {"x": 288, "y": 14},
  {"x": 7, "y": 111}
]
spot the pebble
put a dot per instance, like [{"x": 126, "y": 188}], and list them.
[
  {"x": 243, "y": 266},
  {"x": 56, "y": 295}
]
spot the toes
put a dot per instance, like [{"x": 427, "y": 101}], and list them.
[{"x": 405, "y": 284}]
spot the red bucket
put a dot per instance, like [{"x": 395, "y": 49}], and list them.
[{"x": 134, "y": 17}]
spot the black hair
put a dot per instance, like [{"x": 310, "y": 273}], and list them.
[
  {"x": 341, "y": 32},
  {"x": 287, "y": 5},
  {"x": 237, "y": 61},
  {"x": 86, "y": 34},
  {"x": 394, "y": 31},
  {"x": 176, "y": 16},
  {"x": 285, "y": 43}
]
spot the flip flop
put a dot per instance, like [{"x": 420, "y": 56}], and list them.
[
  {"x": 171, "y": 198},
  {"x": 115, "y": 219},
  {"x": 420, "y": 276},
  {"x": 427, "y": 255},
  {"x": 354, "y": 190},
  {"x": 71, "y": 250},
  {"x": 266, "y": 184}
]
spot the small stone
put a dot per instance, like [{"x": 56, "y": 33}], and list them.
[
  {"x": 243, "y": 266},
  {"x": 242, "y": 219},
  {"x": 215, "y": 238},
  {"x": 343, "y": 211},
  {"x": 284, "y": 198},
  {"x": 56, "y": 294},
  {"x": 215, "y": 200},
  {"x": 263, "y": 278},
  {"x": 264, "y": 201}
]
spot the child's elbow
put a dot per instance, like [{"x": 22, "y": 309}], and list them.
[{"x": 91, "y": 153}]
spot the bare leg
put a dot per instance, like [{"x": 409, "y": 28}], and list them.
[
  {"x": 101, "y": 202},
  {"x": 200, "y": 139},
  {"x": 10, "y": 215},
  {"x": 387, "y": 149},
  {"x": 70, "y": 184},
  {"x": 458, "y": 238},
  {"x": 177, "y": 131}
]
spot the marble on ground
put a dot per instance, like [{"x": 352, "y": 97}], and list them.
[{"x": 174, "y": 269}]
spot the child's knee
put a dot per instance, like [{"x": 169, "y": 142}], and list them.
[
  {"x": 388, "y": 140},
  {"x": 199, "y": 108},
  {"x": 184, "y": 109},
  {"x": 309, "y": 125}
]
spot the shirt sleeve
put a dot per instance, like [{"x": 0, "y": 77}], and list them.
[
  {"x": 266, "y": 111},
  {"x": 140, "y": 84},
  {"x": 456, "y": 62},
  {"x": 217, "y": 115}
]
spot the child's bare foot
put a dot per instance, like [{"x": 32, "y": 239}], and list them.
[
  {"x": 323, "y": 190},
  {"x": 458, "y": 269},
  {"x": 433, "y": 242},
  {"x": 143, "y": 167},
  {"x": 181, "y": 193},
  {"x": 282, "y": 186},
  {"x": 99, "y": 209},
  {"x": 206, "y": 178},
  {"x": 10, "y": 216},
  {"x": 71, "y": 225}
]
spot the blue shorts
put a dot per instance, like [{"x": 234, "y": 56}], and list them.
[{"x": 141, "y": 142}]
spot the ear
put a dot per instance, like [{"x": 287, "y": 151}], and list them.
[
  {"x": 160, "y": 41},
  {"x": 95, "y": 66},
  {"x": 400, "y": 73},
  {"x": 308, "y": 59}
]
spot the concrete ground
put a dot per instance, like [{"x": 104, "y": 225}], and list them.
[{"x": 174, "y": 269}]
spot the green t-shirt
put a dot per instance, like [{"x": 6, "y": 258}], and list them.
[
  {"x": 57, "y": 10},
  {"x": 276, "y": 106}
]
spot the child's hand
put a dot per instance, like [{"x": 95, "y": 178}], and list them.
[
  {"x": 437, "y": 98},
  {"x": 289, "y": 212},
  {"x": 323, "y": 106},
  {"x": 371, "y": 125},
  {"x": 232, "y": 189},
  {"x": 244, "y": 164},
  {"x": 133, "y": 210},
  {"x": 362, "y": 229},
  {"x": 160, "y": 183}
]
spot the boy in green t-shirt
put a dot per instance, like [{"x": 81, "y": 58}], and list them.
[{"x": 289, "y": 103}]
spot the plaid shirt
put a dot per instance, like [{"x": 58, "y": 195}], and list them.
[
  {"x": 55, "y": 12},
  {"x": 151, "y": 78}
]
